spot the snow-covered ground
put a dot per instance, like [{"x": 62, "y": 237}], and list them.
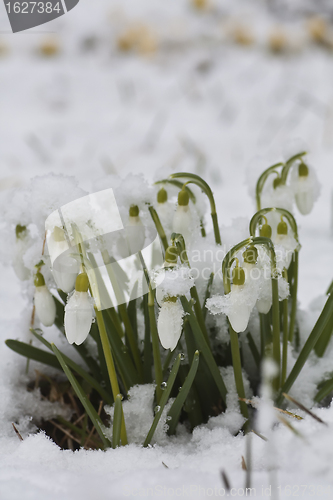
[{"x": 186, "y": 98}]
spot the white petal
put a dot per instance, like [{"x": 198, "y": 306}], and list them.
[
  {"x": 65, "y": 273},
  {"x": 304, "y": 195},
  {"x": 45, "y": 305},
  {"x": 182, "y": 222},
  {"x": 169, "y": 324},
  {"x": 239, "y": 314},
  {"x": 135, "y": 234},
  {"x": 247, "y": 269},
  {"x": 78, "y": 317},
  {"x": 56, "y": 248},
  {"x": 239, "y": 318},
  {"x": 264, "y": 305}
]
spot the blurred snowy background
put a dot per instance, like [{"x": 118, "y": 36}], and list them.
[
  {"x": 201, "y": 85},
  {"x": 217, "y": 87}
]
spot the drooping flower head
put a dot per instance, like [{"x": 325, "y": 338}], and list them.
[
  {"x": 65, "y": 268},
  {"x": 79, "y": 312},
  {"x": 44, "y": 302},
  {"x": 305, "y": 188},
  {"x": 170, "y": 322}
]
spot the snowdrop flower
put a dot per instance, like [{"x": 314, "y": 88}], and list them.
[
  {"x": 22, "y": 242},
  {"x": 44, "y": 302},
  {"x": 182, "y": 220},
  {"x": 135, "y": 231},
  {"x": 304, "y": 189},
  {"x": 287, "y": 242},
  {"x": 79, "y": 312},
  {"x": 170, "y": 322},
  {"x": 66, "y": 268},
  {"x": 239, "y": 309}
]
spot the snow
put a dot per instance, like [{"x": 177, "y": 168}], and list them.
[{"x": 201, "y": 104}]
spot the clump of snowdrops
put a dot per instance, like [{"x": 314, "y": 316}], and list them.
[{"x": 214, "y": 307}]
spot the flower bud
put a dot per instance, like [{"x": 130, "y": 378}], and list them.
[
  {"x": 266, "y": 231},
  {"x": 162, "y": 196},
  {"x": 22, "y": 244},
  {"x": 135, "y": 232},
  {"x": 79, "y": 312},
  {"x": 183, "y": 198},
  {"x": 304, "y": 195},
  {"x": 238, "y": 276},
  {"x": 44, "y": 302},
  {"x": 65, "y": 268},
  {"x": 171, "y": 256},
  {"x": 250, "y": 255}
]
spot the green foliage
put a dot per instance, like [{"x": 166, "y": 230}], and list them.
[{"x": 123, "y": 360}]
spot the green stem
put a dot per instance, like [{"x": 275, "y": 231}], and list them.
[
  {"x": 289, "y": 164},
  {"x": 261, "y": 213},
  {"x": 158, "y": 226},
  {"x": 107, "y": 353},
  {"x": 147, "y": 351},
  {"x": 196, "y": 179},
  {"x": 276, "y": 331},
  {"x": 262, "y": 179},
  {"x": 110, "y": 366},
  {"x": 131, "y": 339},
  {"x": 293, "y": 297},
  {"x": 156, "y": 347},
  {"x": 180, "y": 243},
  {"x": 285, "y": 337},
  {"x": 236, "y": 362}
]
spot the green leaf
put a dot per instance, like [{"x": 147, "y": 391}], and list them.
[
  {"x": 147, "y": 350},
  {"x": 325, "y": 390},
  {"x": 325, "y": 318},
  {"x": 207, "y": 295},
  {"x": 205, "y": 350},
  {"x": 122, "y": 356},
  {"x": 254, "y": 349},
  {"x": 131, "y": 310},
  {"x": 177, "y": 405},
  {"x": 34, "y": 353},
  {"x": 79, "y": 370},
  {"x": 323, "y": 340},
  {"x": 164, "y": 399},
  {"x": 118, "y": 412},
  {"x": 94, "y": 417}
]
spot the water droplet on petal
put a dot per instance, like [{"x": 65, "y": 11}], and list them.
[
  {"x": 163, "y": 385},
  {"x": 169, "y": 418},
  {"x": 93, "y": 320},
  {"x": 157, "y": 409}
]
